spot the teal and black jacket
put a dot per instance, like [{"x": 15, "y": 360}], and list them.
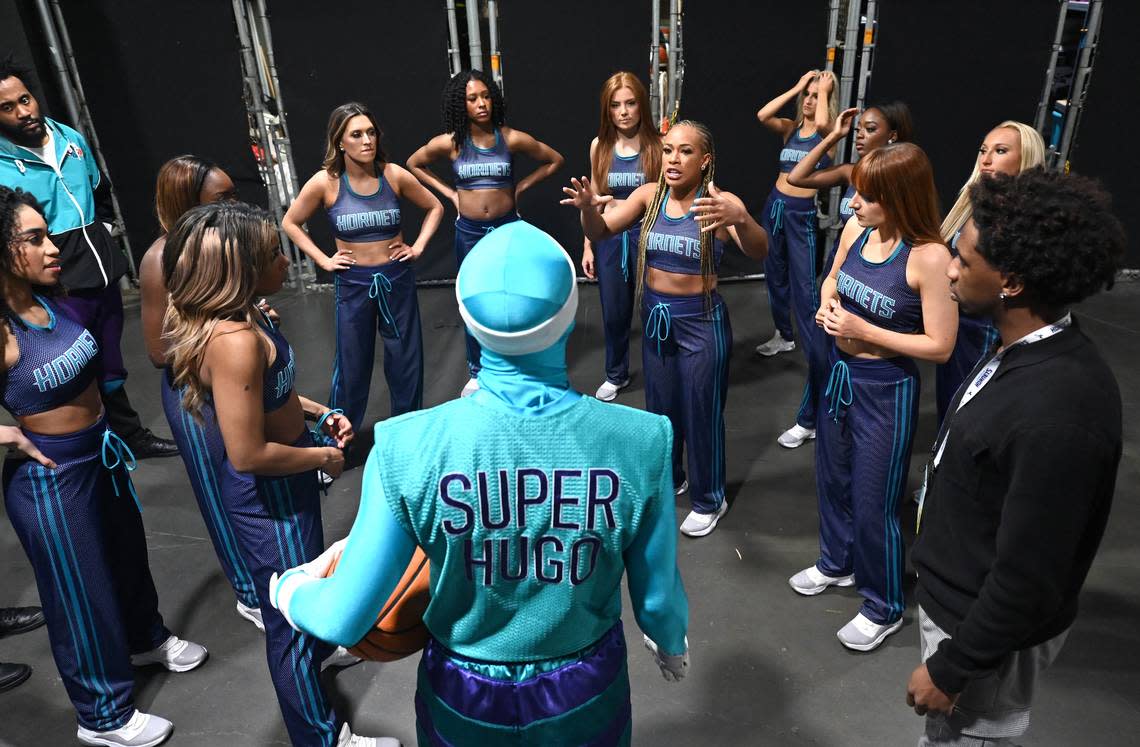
[{"x": 76, "y": 202}]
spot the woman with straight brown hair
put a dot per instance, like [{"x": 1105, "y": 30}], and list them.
[
  {"x": 885, "y": 303},
  {"x": 625, "y": 154},
  {"x": 184, "y": 183},
  {"x": 372, "y": 268}
]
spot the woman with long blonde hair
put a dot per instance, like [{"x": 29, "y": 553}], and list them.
[
  {"x": 789, "y": 215},
  {"x": 1009, "y": 148},
  {"x": 224, "y": 350},
  {"x": 885, "y": 303},
  {"x": 686, "y": 222},
  {"x": 625, "y": 154}
]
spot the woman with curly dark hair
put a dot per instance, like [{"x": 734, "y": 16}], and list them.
[
  {"x": 481, "y": 150},
  {"x": 70, "y": 497},
  {"x": 1022, "y": 474}
]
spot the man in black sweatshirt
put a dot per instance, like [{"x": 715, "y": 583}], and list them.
[{"x": 1021, "y": 476}]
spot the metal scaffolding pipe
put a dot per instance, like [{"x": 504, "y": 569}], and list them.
[
  {"x": 474, "y": 38},
  {"x": 655, "y": 62},
  {"x": 453, "y": 32},
  {"x": 1046, "y": 102},
  {"x": 867, "y": 52},
  {"x": 832, "y": 33},
  {"x": 256, "y": 109},
  {"x": 67, "y": 72},
  {"x": 674, "y": 16},
  {"x": 1080, "y": 84},
  {"x": 493, "y": 34}
]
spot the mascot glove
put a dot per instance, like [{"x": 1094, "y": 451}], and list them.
[
  {"x": 281, "y": 588},
  {"x": 673, "y": 667}
]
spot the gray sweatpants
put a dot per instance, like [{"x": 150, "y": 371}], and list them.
[{"x": 994, "y": 709}]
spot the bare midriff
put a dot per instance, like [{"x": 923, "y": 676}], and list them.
[
  {"x": 369, "y": 253},
  {"x": 785, "y": 187},
  {"x": 486, "y": 204},
  {"x": 863, "y": 349},
  {"x": 675, "y": 283},
  {"x": 285, "y": 424},
  {"x": 81, "y": 412}
]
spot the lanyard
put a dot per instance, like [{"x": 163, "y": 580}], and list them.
[{"x": 983, "y": 377}]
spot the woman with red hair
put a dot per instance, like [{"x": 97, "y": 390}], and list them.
[
  {"x": 885, "y": 303},
  {"x": 625, "y": 154}
]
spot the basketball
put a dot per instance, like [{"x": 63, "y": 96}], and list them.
[{"x": 399, "y": 630}]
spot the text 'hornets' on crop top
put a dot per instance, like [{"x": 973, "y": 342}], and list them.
[
  {"x": 56, "y": 364},
  {"x": 674, "y": 244},
  {"x": 878, "y": 291},
  {"x": 845, "y": 209},
  {"x": 277, "y": 384},
  {"x": 484, "y": 168},
  {"x": 797, "y": 148},
  {"x": 357, "y": 219},
  {"x": 626, "y": 175}
]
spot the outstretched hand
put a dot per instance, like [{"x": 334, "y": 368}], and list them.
[
  {"x": 719, "y": 209},
  {"x": 581, "y": 194}
]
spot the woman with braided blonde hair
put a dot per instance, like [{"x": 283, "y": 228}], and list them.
[
  {"x": 1010, "y": 148},
  {"x": 686, "y": 222}
]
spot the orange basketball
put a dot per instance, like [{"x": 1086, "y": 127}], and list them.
[{"x": 399, "y": 629}]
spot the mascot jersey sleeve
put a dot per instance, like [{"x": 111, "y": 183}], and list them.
[{"x": 528, "y": 532}]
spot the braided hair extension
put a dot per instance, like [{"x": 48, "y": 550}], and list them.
[
  {"x": 453, "y": 106},
  {"x": 708, "y": 272}
]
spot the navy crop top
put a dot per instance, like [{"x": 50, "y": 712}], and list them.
[
  {"x": 674, "y": 244},
  {"x": 797, "y": 148},
  {"x": 845, "y": 209},
  {"x": 279, "y": 377},
  {"x": 357, "y": 219},
  {"x": 878, "y": 291},
  {"x": 625, "y": 175},
  {"x": 484, "y": 168},
  {"x": 56, "y": 364}
]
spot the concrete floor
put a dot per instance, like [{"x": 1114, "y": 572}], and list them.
[{"x": 766, "y": 667}]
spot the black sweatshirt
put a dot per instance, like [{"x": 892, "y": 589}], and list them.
[{"x": 1016, "y": 510}]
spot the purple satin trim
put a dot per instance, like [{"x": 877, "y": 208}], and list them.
[{"x": 520, "y": 703}]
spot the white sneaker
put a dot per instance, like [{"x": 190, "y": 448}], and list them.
[
  {"x": 253, "y": 614},
  {"x": 141, "y": 730},
  {"x": 778, "y": 344},
  {"x": 470, "y": 387},
  {"x": 682, "y": 488},
  {"x": 348, "y": 739},
  {"x": 608, "y": 391},
  {"x": 698, "y": 525},
  {"x": 796, "y": 436},
  {"x": 175, "y": 654},
  {"x": 341, "y": 657},
  {"x": 810, "y": 581},
  {"x": 863, "y": 635}
]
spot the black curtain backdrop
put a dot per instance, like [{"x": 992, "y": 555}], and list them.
[
  {"x": 162, "y": 79},
  {"x": 165, "y": 78},
  {"x": 326, "y": 57},
  {"x": 962, "y": 66},
  {"x": 739, "y": 55},
  {"x": 554, "y": 65},
  {"x": 1112, "y": 110}
]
